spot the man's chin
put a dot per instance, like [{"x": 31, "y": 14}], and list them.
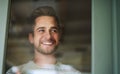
[{"x": 48, "y": 51}]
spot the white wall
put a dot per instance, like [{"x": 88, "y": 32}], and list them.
[{"x": 3, "y": 22}]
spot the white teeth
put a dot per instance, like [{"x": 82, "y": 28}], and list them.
[{"x": 48, "y": 43}]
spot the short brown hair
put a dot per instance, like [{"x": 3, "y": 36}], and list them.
[{"x": 45, "y": 11}]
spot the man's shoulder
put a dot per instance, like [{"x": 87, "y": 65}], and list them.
[
  {"x": 23, "y": 67},
  {"x": 70, "y": 68},
  {"x": 27, "y": 64},
  {"x": 65, "y": 66}
]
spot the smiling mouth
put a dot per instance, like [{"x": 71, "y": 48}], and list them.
[{"x": 48, "y": 43}]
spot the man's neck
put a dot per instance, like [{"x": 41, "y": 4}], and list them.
[{"x": 43, "y": 59}]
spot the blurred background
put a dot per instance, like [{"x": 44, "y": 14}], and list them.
[{"x": 76, "y": 46}]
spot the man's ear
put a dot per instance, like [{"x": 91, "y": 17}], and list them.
[{"x": 31, "y": 38}]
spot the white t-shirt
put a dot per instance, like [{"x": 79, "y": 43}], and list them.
[{"x": 32, "y": 68}]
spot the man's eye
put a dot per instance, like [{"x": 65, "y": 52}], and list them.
[
  {"x": 41, "y": 30},
  {"x": 54, "y": 30}
]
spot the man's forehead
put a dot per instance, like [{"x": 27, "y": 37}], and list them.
[
  {"x": 49, "y": 27},
  {"x": 46, "y": 25},
  {"x": 43, "y": 26}
]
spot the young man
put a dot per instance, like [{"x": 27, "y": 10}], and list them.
[{"x": 45, "y": 37}]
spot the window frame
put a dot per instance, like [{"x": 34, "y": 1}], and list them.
[{"x": 104, "y": 36}]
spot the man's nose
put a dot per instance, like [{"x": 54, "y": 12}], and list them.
[{"x": 48, "y": 35}]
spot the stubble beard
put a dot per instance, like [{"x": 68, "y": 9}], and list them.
[{"x": 45, "y": 51}]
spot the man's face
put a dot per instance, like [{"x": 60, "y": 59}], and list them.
[{"x": 46, "y": 35}]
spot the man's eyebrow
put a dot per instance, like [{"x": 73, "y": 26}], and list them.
[
  {"x": 55, "y": 28},
  {"x": 40, "y": 28}
]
